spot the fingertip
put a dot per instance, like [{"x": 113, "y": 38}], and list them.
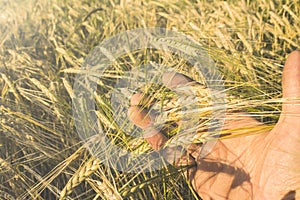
[
  {"x": 135, "y": 99},
  {"x": 173, "y": 79},
  {"x": 291, "y": 86},
  {"x": 292, "y": 61},
  {"x": 131, "y": 110},
  {"x": 291, "y": 76},
  {"x": 295, "y": 53},
  {"x": 140, "y": 99}
]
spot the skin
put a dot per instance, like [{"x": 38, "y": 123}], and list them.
[{"x": 262, "y": 166}]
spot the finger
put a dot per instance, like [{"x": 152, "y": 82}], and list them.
[
  {"x": 136, "y": 99},
  {"x": 137, "y": 112},
  {"x": 177, "y": 155},
  {"x": 291, "y": 86},
  {"x": 155, "y": 138},
  {"x": 140, "y": 117},
  {"x": 143, "y": 119},
  {"x": 173, "y": 155},
  {"x": 141, "y": 99},
  {"x": 173, "y": 80}
]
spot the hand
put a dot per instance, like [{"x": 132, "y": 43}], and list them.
[{"x": 262, "y": 166}]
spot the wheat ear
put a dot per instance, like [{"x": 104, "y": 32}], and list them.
[{"x": 82, "y": 173}]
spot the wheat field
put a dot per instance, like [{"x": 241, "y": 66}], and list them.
[{"x": 44, "y": 44}]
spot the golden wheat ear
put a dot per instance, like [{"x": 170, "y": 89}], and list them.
[{"x": 88, "y": 168}]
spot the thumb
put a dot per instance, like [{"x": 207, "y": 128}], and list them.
[{"x": 291, "y": 86}]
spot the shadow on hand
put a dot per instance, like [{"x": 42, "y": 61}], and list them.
[{"x": 239, "y": 175}]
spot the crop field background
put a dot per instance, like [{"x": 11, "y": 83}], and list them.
[{"x": 43, "y": 45}]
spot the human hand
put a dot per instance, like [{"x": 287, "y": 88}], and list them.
[{"x": 261, "y": 166}]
